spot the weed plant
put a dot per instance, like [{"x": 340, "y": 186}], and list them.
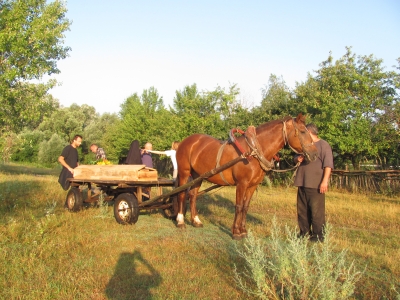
[{"x": 289, "y": 267}]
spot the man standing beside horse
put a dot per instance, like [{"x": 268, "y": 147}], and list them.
[{"x": 312, "y": 179}]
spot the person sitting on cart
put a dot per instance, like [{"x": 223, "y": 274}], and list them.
[{"x": 146, "y": 156}]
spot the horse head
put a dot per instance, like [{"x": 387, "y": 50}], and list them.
[{"x": 298, "y": 137}]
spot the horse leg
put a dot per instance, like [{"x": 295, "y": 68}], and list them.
[
  {"x": 237, "y": 221},
  {"x": 180, "y": 219},
  {"x": 246, "y": 204},
  {"x": 193, "y": 210}
]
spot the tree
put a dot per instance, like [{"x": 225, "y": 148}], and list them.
[
  {"x": 191, "y": 110},
  {"x": 31, "y": 43},
  {"x": 95, "y": 131},
  {"x": 213, "y": 113},
  {"x": 69, "y": 121},
  {"x": 346, "y": 100},
  {"x": 277, "y": 100},
  {"x": 143, "y": 118},
  {"x": 26, "y": 147},
  {"x": 227, "y": 113}
]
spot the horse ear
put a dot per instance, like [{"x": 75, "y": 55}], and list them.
[{"x": 301, "y": 118}]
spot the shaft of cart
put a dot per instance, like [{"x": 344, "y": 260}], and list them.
[{"x": 193, "y": 182}]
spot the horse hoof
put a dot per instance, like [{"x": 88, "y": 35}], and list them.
[
  {"x": 198, "y": 225},
  {"x": 237, "y": 237},
  {"x": 243, "y": 235},
  {"x": 181, "y": 226}
]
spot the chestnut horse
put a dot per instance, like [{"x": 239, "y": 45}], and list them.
[{"x": 199, "y": 153}]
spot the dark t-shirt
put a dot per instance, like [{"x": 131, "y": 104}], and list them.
[
  {"x": 70, "y": 155},
  {"x": 146, "y": 160},
  {"x": 310, "y": 174}
]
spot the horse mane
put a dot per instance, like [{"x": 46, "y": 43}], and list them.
[{"x": 273, "y": 122}]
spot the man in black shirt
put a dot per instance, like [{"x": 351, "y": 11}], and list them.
[{"x": 69, "y": 160}]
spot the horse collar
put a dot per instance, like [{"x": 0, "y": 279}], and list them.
[
  {"x": 232, "y": 139},
  {"x": 251, "y": 140}
]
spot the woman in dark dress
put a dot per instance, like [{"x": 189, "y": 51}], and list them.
[{"x": 134, "y": 155}]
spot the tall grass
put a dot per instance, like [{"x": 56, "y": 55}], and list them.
[{"x": 47, "y": 252}]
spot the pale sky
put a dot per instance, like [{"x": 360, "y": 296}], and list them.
[{"x": 122, "y": 47}]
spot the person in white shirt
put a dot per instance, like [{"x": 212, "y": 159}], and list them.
[{"x": 171, "y": 153}]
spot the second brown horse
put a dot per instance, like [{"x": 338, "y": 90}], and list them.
[{"x": 199, "y": 153}]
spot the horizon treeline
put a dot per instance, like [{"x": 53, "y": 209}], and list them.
[{"x": 354, "y": 102}]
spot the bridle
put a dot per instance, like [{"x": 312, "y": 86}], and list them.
[
  {"x": 296, "y": 133},
  {"x": 252, "y": 142}
]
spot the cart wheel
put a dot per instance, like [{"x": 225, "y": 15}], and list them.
[
  {"x": 126, "y": 209},
  {"x": 172, "y": 212},
  {"x": 74, "y": 201}
]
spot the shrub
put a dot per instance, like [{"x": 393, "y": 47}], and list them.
[
  {"x": 294, "y": 268},
  {"x": 50, "y": 150},
  {"x": 26, "y": 146}
]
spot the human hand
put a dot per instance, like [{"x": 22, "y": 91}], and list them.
[
  {"x": 323, "y": 188},
  {"x": 300, "y": 158}
]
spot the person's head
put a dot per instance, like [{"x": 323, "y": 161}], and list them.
[
  {"x": 148, "y": 146},
  {"x": 175, "y": 145},
  {"x": 77, "y": 141},
  {"x": 93, "y": 148},
  {"x": 312, "y": 128}
]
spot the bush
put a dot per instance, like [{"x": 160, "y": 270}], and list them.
[
  {"x": 26, "y": 146},
  {"x": 50, "y": 150},
  {"x": 294, "y": 268}
]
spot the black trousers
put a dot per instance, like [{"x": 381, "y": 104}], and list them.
[{"x": 311, "y": 212}]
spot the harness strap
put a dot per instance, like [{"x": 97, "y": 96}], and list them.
[
  {"x": 252, "y": 141},
  {"x": 232, "y": 139},
  {"x": 221, "y": 149}
]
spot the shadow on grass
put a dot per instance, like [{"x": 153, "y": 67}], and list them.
[
  {"x": 128, "y": 283},
  {"x": 204, "y": 202}
]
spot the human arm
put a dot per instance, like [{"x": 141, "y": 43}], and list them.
[
  {"x": 62, "y": 161},
  {"x": 156, "y": 152},
  {"x": 101, "y": 154},
  {"x": 323, "y": 187}
]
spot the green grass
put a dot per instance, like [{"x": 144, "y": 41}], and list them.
[{"x": 49, "y": 253}]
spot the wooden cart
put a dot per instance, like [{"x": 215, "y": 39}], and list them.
[{"x": 127, "y": 185}]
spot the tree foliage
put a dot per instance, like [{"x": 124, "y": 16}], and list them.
[
  {"x": 346, "y": 100},
  {"x": 31, "y": 43},
  {"x": 213, "y": 112},
  {"x": 69, "y": 121},
  {"x": 277, "y": 101},
  {"x": 26, "y": 145},
  {"x": 143, "y": 118}
]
